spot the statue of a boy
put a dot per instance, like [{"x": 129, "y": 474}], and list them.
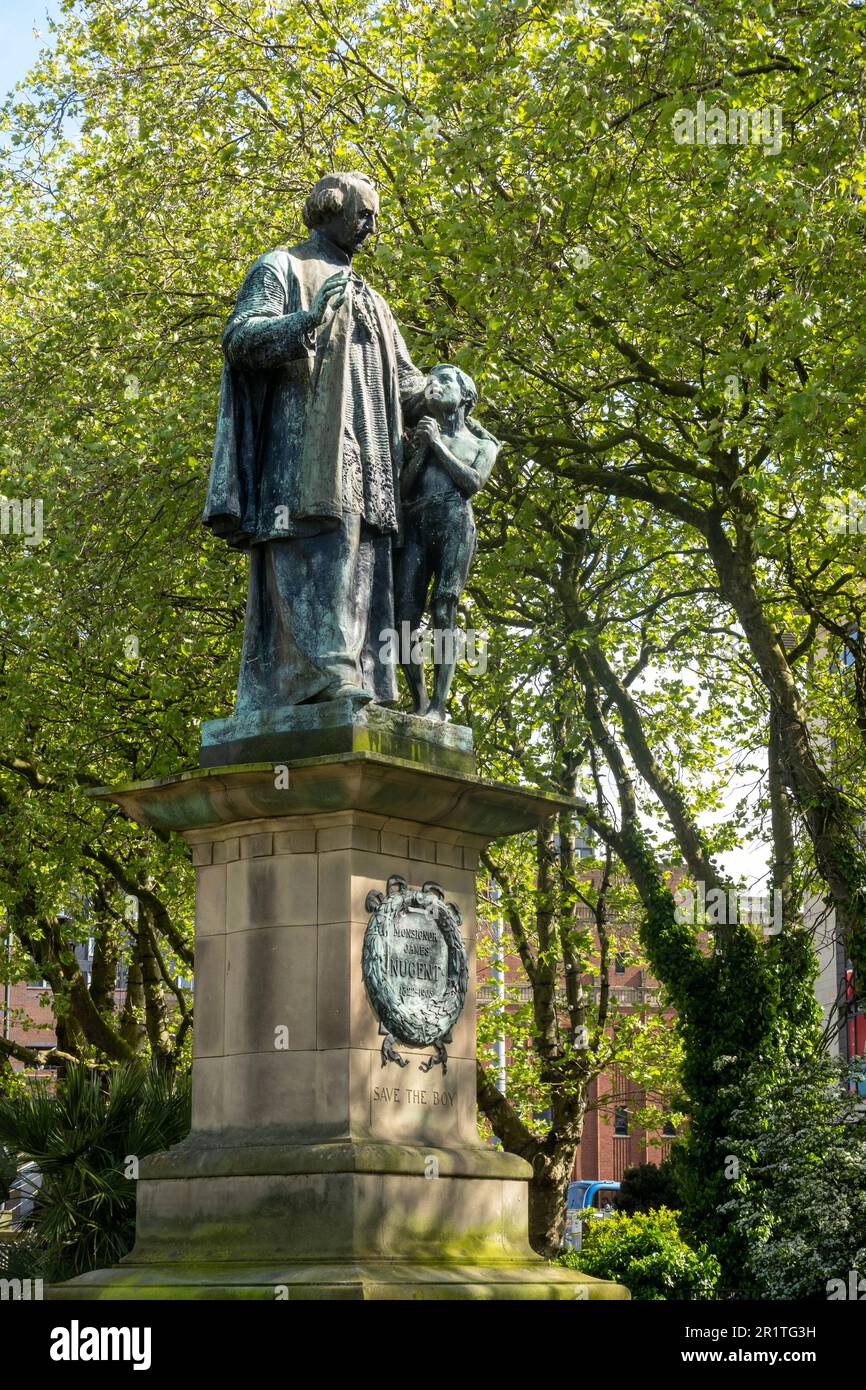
[{"x": 452, "y": 460}]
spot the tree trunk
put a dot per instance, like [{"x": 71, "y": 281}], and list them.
[
  {"x": 832, "y": 824},
  {"x": 548, "y": 1192}
]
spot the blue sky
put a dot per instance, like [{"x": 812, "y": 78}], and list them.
[{"x": 18, "y": 46}]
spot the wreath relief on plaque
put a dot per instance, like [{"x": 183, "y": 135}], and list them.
[{"x": 415, "y": 969}]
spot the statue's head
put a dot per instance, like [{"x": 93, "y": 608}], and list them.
[
  {"x": 345, "y": 208},
  {"x": 448, "y": 388}
]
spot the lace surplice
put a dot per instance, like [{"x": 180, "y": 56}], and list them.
[{"x": 368, "y": 476}]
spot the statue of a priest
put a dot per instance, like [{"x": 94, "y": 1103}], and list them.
[{"x": 307, "y": 459}]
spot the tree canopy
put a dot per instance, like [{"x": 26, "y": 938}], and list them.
[{"x": 665, "y": 335}]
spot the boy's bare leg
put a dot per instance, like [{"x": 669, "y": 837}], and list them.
[
  {"x": 444, "y": 613},
  {"x": 414, "y": 673}
]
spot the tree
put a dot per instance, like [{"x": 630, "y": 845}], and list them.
[
  {"x": 567, "y": 919},
  {"x": 620, "y": 371},
  {"x": 665, "y": 335}
]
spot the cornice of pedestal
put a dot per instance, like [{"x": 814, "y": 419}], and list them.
[{"x": 380, "y": 786}]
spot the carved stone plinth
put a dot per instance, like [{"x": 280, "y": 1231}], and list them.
[
  {"x": 339, "y": 726},
  {"x": 316, "y": 1167}
]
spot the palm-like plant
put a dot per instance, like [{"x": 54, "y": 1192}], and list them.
[
  {"x": 83, "y": 1138},
  {"x": 8, "y": 1169}
]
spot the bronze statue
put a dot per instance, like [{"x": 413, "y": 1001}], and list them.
[
  {"x": 308, "y": 472},
  {"x": 452, "y": 460},
  {"x": 307, "y": 459}
]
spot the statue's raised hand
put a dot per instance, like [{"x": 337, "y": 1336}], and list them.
[
  {"x": 333, "y": 292},
  {"x": 427, "y": 430}
]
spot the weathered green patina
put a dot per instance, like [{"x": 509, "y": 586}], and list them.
[
  {"x": 307, "y": 460},
  {"x": 335, "y": 726}
]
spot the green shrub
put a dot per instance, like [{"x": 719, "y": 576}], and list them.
[
  {"x": 22, "y": 1258},
  {"x": 82, "y": 1137},
  {"x": 799, "y": 1200},
  {"x": 647, "y": 1187},
  {"x": 646, "y": 1253}
]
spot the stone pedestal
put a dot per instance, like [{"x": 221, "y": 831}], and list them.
[{"x": 313, "y": 1169}]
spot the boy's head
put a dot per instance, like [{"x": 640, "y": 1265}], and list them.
[{"x": 448, "y": 388}]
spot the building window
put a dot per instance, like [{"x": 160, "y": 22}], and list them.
[
  {"x": 620, "y": 1121},
  {"x": 619, "y": 966},
  {"x": 670, "y": 1130}
]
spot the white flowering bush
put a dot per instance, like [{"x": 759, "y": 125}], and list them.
[{"x": 800, "y": 1199}]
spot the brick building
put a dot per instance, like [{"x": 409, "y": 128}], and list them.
[{"x": 27, "y": 1017}]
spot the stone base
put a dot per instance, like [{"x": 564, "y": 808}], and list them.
[
  {"x": 336, "y": 726},
  {"x": 333, "y": 1221},
  {"x": 317, "y": 1166},
  {"x": 368, "y": 1280}
]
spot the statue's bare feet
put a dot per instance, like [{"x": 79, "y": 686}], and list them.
[
  {"x": 436, "y": 714},
  {"x": 421, "y": 705}
]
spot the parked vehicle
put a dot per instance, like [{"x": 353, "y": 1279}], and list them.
[{"x": 586, "y": 1199}]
